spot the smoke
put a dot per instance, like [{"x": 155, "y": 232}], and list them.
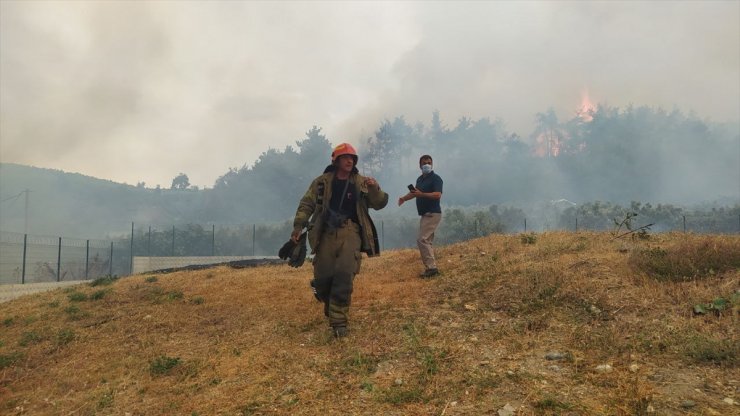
[
  {"x": 141, "y": 91},
  {"x": 510, "y": 60}
]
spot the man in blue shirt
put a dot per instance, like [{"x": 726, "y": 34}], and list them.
[{"x": 428, "y": 192}]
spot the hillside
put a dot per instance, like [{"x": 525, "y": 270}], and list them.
[
  {"x": 554, "y": 323},
  {"x": 74, "y": 205}
]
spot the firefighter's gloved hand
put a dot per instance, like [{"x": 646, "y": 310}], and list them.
[
  {"x": 287, "y": 250},
  {"x": 298, "y": 255}
]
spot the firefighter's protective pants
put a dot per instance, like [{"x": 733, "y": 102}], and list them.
[{"x": 335, "y": 264}]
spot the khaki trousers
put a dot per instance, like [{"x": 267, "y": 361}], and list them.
[{"x": 427, "y": 225}]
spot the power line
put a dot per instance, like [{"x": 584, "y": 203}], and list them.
[{"x": 13, "y": 197}]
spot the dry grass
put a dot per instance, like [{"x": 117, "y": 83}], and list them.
[{"x": 254, "y": 341}]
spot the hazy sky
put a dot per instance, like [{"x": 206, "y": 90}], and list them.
[{"x": 140, "y": 91}]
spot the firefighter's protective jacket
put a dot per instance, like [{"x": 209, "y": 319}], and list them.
[{"x": 310, "y": 212}]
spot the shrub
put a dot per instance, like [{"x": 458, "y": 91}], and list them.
[
  {"x": 174, "y": 294},
  {"x": 722, "y": 352},
  {"x": 163, "y": 365},
  {"x": 98, "y": 294},
  {"x": 530, "y": 238},
  {"x": 6, "y": 360},
  {"x": 689, "y": 259},
  {"x": 65, "y": 336},
  {"x": 103, "y": 281},
  {"x": 29, "y": 338},
  {"x": 77, "y": 297}
]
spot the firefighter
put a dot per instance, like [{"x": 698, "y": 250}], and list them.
[{"x": 334, "y": 210}]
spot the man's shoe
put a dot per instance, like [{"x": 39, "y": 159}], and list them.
[
  {"x": 429, "y": 273},
  {"x": 339, "y": 331}
]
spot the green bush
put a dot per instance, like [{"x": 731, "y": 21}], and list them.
[
  {"x": 103, "y": 281},
  {"x": 723, "y": 352},
  {"x": 690, "y": 259},
  {"x": 163, "y": 365},
  {"x": 65, "y": 336},
  {"x": 6, "y": 360},
  {"x": 77, "y": 297},
  {"x": 99, "y": 294}
]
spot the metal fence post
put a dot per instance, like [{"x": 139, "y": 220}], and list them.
[
  {"x": 173, "y": 241},
  {"x": 525, "y": 225},
  {"x": 684, "y": 223},
  {"x": 25, "y": 244},
  {"x": 576, "y": 224},
  {"x": 59, "y": 260},
  {"x": 87, "y": 257},
  {"x": 213, "y": 240},
  {"x": 110, "y": 263},
  {"x": 254, "y": 231},
  {"x": 149, "y": 244}
]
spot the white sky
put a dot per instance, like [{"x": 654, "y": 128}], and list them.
[{"x": 140, "y": 91}]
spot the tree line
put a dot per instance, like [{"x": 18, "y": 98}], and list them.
[
  {"x": 635, "y": 154},
  {"x": 609, "y": 154}
]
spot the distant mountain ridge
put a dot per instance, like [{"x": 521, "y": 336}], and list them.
[{"x": 76, "y": 205}]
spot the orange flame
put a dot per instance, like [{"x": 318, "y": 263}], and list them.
[{"x": 587, "y": 110}]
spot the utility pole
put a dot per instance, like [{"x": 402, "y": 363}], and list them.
[{"x": 25, "y": 223}]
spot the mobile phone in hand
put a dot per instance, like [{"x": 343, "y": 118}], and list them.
[{"x": 412, "y": 188}]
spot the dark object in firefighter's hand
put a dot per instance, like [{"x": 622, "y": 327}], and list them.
[
  {"x": 287, "y": 249},
  {"x": 299, "y": 253},
  {"x": 412, "y": 188},
  {"x": 294, "y": 252}
]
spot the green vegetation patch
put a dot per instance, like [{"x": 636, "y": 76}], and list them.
[
  {"x": 722, "y": 352},
  {"x": 106, "y": 400},
  {"x": 718, "y": 305},
  {"x": 530, "y": 238},
  {"x": 65, "y": 336},
  {"x": 99, "y": 294},
  {"x": 689, "y": 259},
  {"x": 77, "y": 297},
  {"x": 361, "y": 363},
  {"x": 400, "y": 395},
  {"x": 552, "y": 404},
  {"x": 6, "y": 360},
  {"x": 163, "y": 365},
  {"x": 103, "y": 281},
  {"x": 29, "y": 338}
]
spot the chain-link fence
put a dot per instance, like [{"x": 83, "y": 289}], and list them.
[{"x": 26, "y": 258}]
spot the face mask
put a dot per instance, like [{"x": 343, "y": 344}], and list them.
[{"x": 425, "y": 169}]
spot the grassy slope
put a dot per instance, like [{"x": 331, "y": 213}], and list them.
[{"x": 254, "y": 341}]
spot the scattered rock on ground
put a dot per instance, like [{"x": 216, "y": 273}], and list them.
[
  {"x": 604, "y": 368},
  {"x": 507, "y": 410}
]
